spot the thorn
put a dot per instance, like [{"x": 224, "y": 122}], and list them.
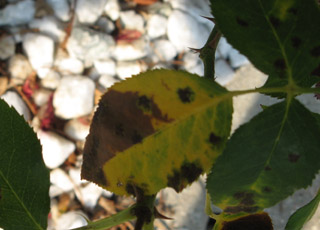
[
  {"x": 210, "y": 19},
  {"x": 195, "y": 50},
  {"x": 157, "y": 214}
]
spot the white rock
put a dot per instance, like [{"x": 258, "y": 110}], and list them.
[
  {"x": 59, "y": 178},
  {"x": 75, "y": 174},
  {"x": 165, "y": 50},
  {"x": 16, "y": 14},
  {"x": 127, "y": 69},
  {"x": 190, "y": 60},
  {"x": 19, "y": 67},
  {"x": 112, "y": 9},
  {"x": 49, "y": 26},
  {"x": 157, "y": 26},
  {"x": 107, "y": 66},
  {"x": 61, "y": 9},
  {"x": 198, "y": 69},
  {"x": 184, "y": 31},
  {"x": 41, "y": 96},
  {"x": 90, "y": 195},
  {"x": 89, "y": 11},
  {"x": 105, "y": 25},
  {"x": 69, "y": 65},
  {"x": 70, "y": 220},
  {"x": 224, "y": 73},
  {"x": 76, "y": 129},
  {"x": 39, "y": 49},
  {"x": 224, "y": 48},
  {"x": 7, "y": 47},
  {"x": 55, "y": 149},
  {"x": 74, "y": 97},
  {"x": 55, "y": 191},
  {"x": 51, "y": 80},
  {"x": 13, "y": 99},
  {"x": 237, "y": 59},
  {"x": 132, "y": 51},
  {"x": 89, "y": 45},
  {"x": 132, "y": 21},
  {"x": 107, "y": 81}
]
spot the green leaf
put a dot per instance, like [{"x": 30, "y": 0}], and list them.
[
  {"x": 160, "y": 128},
  {"x": 278, "y": 36},
  {"x": 303, "y": 215},
  {"x": 266, "y": 160},
  {"x": 24, "y": 179}
]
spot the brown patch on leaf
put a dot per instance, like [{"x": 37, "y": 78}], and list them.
[
  {"x": 293, "y": 157},
  {"x": 315, "y": 52},
  {"x": 280, "y": 64},
  {"x": 246, "y": 203},
  {"x": 274, "y": 21},
  {"x": 214, "y": 139},
  {"x": 316, "y": 71},
  {"x": 267, "y": 168},
  {"x": 260, "y": 221},
  {"x": 242, "y": 22},
  {"x": 144, "y": 103},
  {"x": 267, "y": 189},
  {"x": 117, "y": 124},
  {"x": 241, "y": 208},
  {"x": 296, "y": 42},
  {"x": 186, "y": 95},
  {"x": 293, "y": 11}
]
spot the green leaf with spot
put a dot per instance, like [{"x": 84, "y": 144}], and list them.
[
  {"x": 24, "y": 179},
  {"x": 278, "y": 36},
  {"x": 266, "y": 160},
  {"x": 303, "y": 215},
  {"x": 160, "y": 128}
]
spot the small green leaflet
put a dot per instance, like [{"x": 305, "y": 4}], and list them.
[
  {"x": 24, "y": 179},
  {"x": 303, "y": 215}
]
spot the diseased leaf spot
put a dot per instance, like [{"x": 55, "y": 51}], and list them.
[
  {"x": 316, "y": 71},
  {"x": 119, "y": 130},
  {"x": 315, "y": 51},
  {"x": 274, "y": 21},
  {"x": 296, "y": 42},
  {"x": 136, "y": 137},
  {"x": 267, "y": 168},
  {"x": 213, "y": 139},
  {"x": 241, "y": 208},
  {"x": 242, "y": 22},
  {"x": 293, "y": 11},
  {"x": 0, "y": 194},
  {"x": 267, "y": 189},
  {"x": 174, "y": 181},
  {"x": 190, "y": 171},
  {"x": 186, "y": 95},
  {"x": 245, "y": 198},
  {"x": 144, "y": 103},
  {"x": 260, "y": 221},
  {"x": 293, "y": 157},
  {"x": 280, "y": 64},
  {"x": 134, "y": 190}
]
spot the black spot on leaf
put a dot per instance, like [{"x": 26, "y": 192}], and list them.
[
  {"x": 174, "y": 181},
  {"x": 293, "y": 157},
  {"x": 267, "y": 189},
  {"x": 186, "y": 95},
  {"x": 190, "y": 171},
  {"x": 293, "y": 11},
  {"x": 280, "y": 64},
  {"x": 316, "y": 71},
  {"x": 274, "y": 21},
  {"x": 241, "y": 208},
  {"x": 260, "y": 221},
  {"x": 0, "y": 194},
  {"x": 296, "y": 42},
  {"x": 134, "y": 190},
  {"x": 136, "y": 137},
  {"x": 144, "y": 103},
  {"x": 242, "y": 22},
  {"x": 315, "y": 51},
  {"x": 213, "y": 139},
  {"x": 267, "y": 168},
  {"x": 245, "y": 198}
]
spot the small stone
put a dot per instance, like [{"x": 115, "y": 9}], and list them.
[
  {"x": 107, "y": 81},
  {"x": 41, "y": 96},
  {"x": 112, "y": 9},
  {"x": 55, "y": 149},
  {"x": 13, "y": 99},
  {"x": 7, "y": 47},
  {"x": 69, "y": 65},
  {"x": 51, "y": 80},
  {"x": 70, "y": 220},
  {"x": 224, "y": 73},
  {"x": 105, "y": 25},
  {"x": 107, "y": 66},
  {"x": 59, "y": 178},
  {"x": 132, "y": 21},
  {"x": 39, "y": 49},
  {"x": 224, "y": 48},
  {"x": 157, "y": 26},
  {"x": 132, "y": 51},
  {"x": 90, "y": 195},
  {"x": 76, "y": 129},
  {"x": 61, "y": 9},
  {"x": 49, "y": 26},
  {"x": 184, "y": 31},
  {"x": 237, "y": 59},
  {"x": 165, "y": 50},
  {"x": 74, "y": 97},
  {"x": 17, "y": 14},
  {"x": 75, "y": 174},
  {"x": 193, "y": 64},
  {"x": 89, "y": 45},
  {"x": 19, "y": 67},
  {"x": 55, "y": 191},
  {"x": 89, "y": 11},
  {"x": 127, "y": 69}
]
